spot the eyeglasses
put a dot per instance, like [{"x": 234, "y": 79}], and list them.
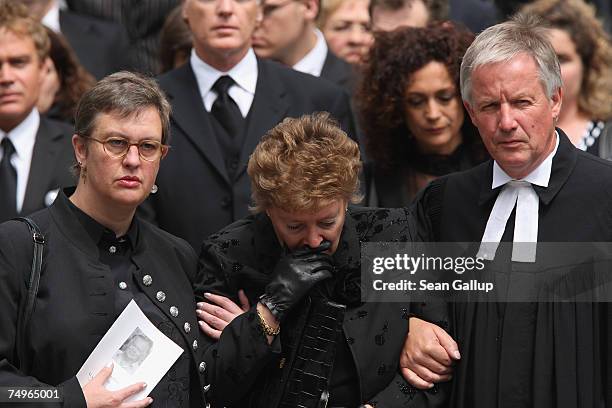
[{"x": 118, "y": 147}]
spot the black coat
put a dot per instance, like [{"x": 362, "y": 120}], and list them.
[
  {"x": 196, "y": 194},
  {"x": 243, "y": 368},
  {"x": 528, "y": 354},
  {"x": 101, "y": 46},
  {"x": 75, "y": 304}
]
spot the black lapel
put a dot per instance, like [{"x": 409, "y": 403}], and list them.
[
  {"x": 268, "y": 109},
  {"x": 562, "y": 166},
  {"x": 189, "y": 114},
  {"x": 47, "y": 147}
]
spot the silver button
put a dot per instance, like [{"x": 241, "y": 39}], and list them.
[
  {"x": 589, "y": 141},
  {"x": 174, "y": 311},
  {"x": 147, "y": 280},
  {"x": 112, "y": 249},
  {"x": 161, "y": 296},
  {"x": 122, "y": 285},
  {"x": 206, "y": 388},
  {"x": 187, "y": 327},
  {"x": 202, "y": 367},
  {"x": 195, "y": 345}
]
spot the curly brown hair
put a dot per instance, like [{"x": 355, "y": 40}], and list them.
[
  {"x": 302, "y": 164},
  {"x": 592, "y": 44},
  {"x": 394, "y": 57}
]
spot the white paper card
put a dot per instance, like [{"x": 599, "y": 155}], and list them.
[{"x": 138, "y": 350}]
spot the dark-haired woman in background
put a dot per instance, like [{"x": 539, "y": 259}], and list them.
[
  {"x": 412, "y": 116},
  {"x": 585, "y": 55},
  {"x": 66, "y": 80}
]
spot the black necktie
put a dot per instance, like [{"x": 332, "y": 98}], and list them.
[
  {"x": 225, "y": 109},
  {"x": 8, "y": 182}
]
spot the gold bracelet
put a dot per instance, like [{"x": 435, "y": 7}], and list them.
[{"x": 265, "y": 327}]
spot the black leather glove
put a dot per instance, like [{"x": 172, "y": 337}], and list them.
[{"x": 294, "y": 275}]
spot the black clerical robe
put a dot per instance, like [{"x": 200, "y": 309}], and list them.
[{"x": 527, "y": 354}]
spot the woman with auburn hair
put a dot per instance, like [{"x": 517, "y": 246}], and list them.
[
  {"x": 309, "y": 340},
  {"x": 585, "y": 54},
  {"x": 414, "y": 123}
]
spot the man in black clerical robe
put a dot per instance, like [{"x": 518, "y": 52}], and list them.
[{"x": 517, "y": 354}]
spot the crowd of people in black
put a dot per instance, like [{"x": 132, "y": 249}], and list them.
[{"x": 221, "y": 162}]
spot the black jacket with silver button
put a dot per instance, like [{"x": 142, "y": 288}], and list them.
[{"x": 75, "y": 307}]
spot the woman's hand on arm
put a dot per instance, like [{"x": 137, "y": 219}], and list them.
[
  {"x": 428, "y": 354},
  {"x": 97, "y": 396},
  {"x": 218, "y": 311}
]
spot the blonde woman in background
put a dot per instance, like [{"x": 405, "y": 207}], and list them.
[
  {"x": 346, "y": 27},
  {"x": 585, "y": 54}
]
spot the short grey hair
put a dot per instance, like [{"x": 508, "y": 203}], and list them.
[
  {"x": 125, "y": 94},
  {"x": 522, "y": 34}
]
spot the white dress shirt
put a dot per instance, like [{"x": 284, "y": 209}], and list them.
[
  {"x": 51, "y": 18},
  {"x": 23, "y": 137},
  {"x": 244, "y": 75},
  {"x": 313, "y": 62}
]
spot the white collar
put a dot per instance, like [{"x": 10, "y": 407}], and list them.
[
  {"x": 51, "y": 19},
  {"x": 312, "y": 63},
  {"x": 244, "y": 73},
  {"x": 540, "y": 176},
  {"x": 23, "y": 136}
]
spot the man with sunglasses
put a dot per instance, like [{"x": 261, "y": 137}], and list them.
[
  {"x": 288, "y": 34},
  {"x": 223, "y": 101},
  {"x": 35, "y": 152}
]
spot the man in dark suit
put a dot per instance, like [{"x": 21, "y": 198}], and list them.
[
  {"x": 101, "y": 46},
  {"x": 223, "y": 102},
  {"x": 537, "y": 188},
  {"x": 288, "y": 34},
  {"x": 35, "y": 152}
]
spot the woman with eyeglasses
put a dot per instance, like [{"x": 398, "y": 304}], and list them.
[{"x": 98, "y": 256}]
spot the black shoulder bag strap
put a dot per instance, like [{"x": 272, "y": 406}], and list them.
[{"x": 32, "y": 282}]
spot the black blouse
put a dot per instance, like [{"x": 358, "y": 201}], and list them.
[{"x": 116, "y": 252}]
